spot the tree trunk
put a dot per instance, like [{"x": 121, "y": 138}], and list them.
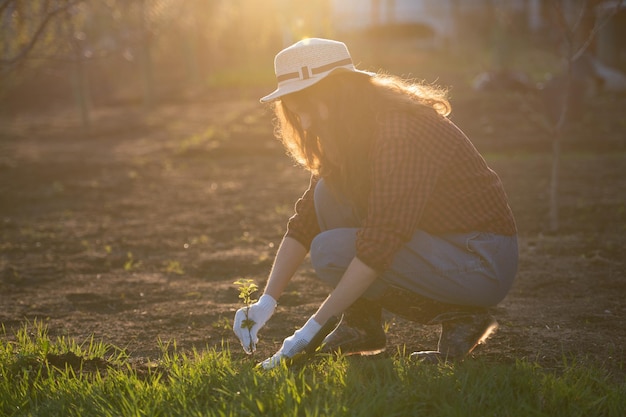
[
  {"x": 535, "y": 16},
  {"x": 554, "y": 183},
  {"x": 147, "y": 71},
  {"x": 80, "y": 83},
  {"x": 80, "y": 89}
]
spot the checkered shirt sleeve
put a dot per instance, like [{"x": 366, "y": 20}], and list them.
[{"x": 303, "y": 225}]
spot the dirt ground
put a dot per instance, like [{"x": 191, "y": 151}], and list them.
[{"x": 135, "y": 231}]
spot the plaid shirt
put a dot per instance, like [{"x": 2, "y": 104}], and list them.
[{"x": 425, "y": 174}]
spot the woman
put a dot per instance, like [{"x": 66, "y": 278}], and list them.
[{"x": 402, "y": 212}]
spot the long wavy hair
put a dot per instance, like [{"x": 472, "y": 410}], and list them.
[{"x": 338, "y": 147}]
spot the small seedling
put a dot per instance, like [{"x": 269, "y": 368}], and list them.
[
  {"x": 174, "y": 267},
  {"x": 222, "y": 325},
  {"x": 246, "y": 288},
  {"x": 130, "y": 263}
]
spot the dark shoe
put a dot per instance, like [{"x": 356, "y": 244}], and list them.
[
  {"x": 360, "y": 331},
  {"x": 461, "y": 332},
  {"x": 415, "y": 307},
  {"x": 349, "y": 340}
]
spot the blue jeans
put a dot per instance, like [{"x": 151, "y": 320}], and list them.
[{"x": 473, "y": 269}]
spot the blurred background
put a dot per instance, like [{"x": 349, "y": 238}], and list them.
[{"x": 91, "y": 53}]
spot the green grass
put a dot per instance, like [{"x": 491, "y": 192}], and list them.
[{"x": 41, "y": 377}]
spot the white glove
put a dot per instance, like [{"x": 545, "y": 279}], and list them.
[
  {"x": 259, "y": 312},
  {"x": 293, "y": 344}
]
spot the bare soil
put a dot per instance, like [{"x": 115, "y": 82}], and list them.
[{"x": 135, "y": 231}]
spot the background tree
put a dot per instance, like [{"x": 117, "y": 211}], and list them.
[
  {"x": 136, "y": 50},
  {"x": 567, "y": 93}
]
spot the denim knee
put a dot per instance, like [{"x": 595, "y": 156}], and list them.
[{"x": 331, "y": 253}]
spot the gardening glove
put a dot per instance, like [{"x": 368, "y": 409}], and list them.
[
  {"x": 294, "y": 344},
  {"x": 259, "y": 313}
]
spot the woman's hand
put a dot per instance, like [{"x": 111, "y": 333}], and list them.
[
  {"x": 258, "y": 314},
  {"x": 294, "y": 344}
]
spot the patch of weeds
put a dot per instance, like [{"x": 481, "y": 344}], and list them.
[
  {"x": 35, "y": 356},
  {"x": 207, "y": 139},
  {"x": 222, "y": 325},
  {"x": 387, "y": 326},
  {"x": 203, "y": 239},
  {"x": 131, "y": 264},
  {"x": 246, "y": 237},
  {"x": 174, "y": 267}
]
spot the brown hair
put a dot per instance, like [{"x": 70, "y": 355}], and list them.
[{"x": 338, "y": 148}]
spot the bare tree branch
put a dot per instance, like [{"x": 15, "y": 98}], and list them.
[
  {"x": 581, "y": 17},
  {"x": 566, "y": 30},
  {"x": 42, "y": 26},
  {"x": 595, "y": 30}
]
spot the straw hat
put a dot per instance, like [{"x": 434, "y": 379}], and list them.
[{"x": 307, "y": 62}]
